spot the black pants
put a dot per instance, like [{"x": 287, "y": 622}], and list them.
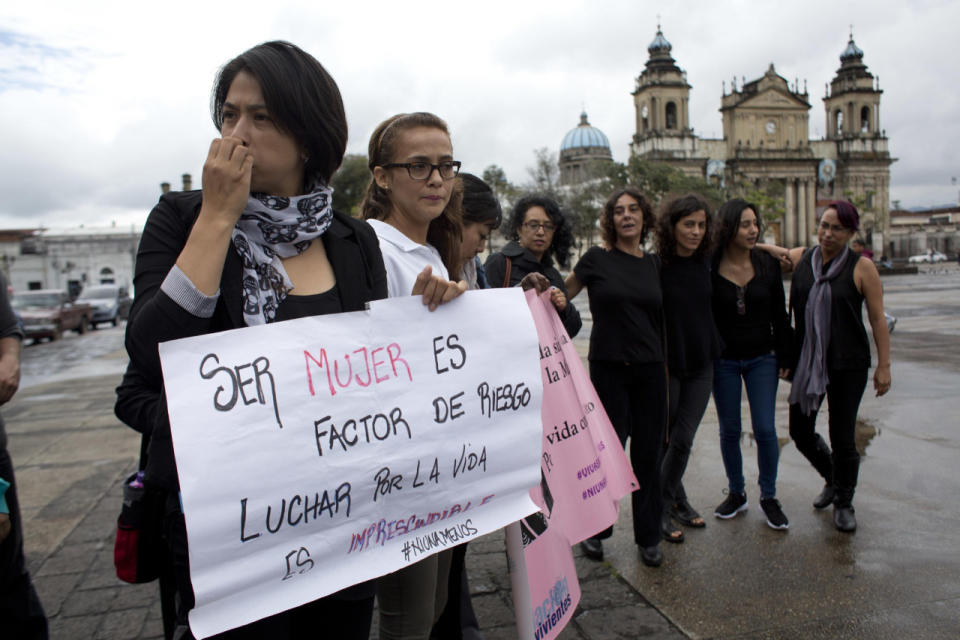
[
  {"x": 334, "y": 617},
  {"x": 635, "y": 398},
  {"x": 21, "y": 614},
  {"x": 689, "y": 396},
  {"x": 844, "y": 392}
]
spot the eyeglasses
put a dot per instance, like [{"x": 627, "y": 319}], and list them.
[
  {"x": 533, "y": 226},
  {"x": 741, "y": 301},
  {"x": 423, "y": 170}
]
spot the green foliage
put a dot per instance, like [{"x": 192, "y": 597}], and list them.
[
  {"x": 350, "y": 183},
  {"x": 495, "y": 176},
  {"x": 768, "y": 196},
  {"x": 659, "y": 180}
]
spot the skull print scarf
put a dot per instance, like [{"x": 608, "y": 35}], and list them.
[{"x": 271, "y": 228}]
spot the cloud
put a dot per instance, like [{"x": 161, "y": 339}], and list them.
[{"x": 104, "y": 101}]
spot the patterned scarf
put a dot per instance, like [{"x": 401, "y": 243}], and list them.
[
  {"x": 271, "y": 228},
  {"x": 810, "y": 380}
]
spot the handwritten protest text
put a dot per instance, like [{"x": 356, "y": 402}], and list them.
[
  {"x": 238, "y": 377},
  {"x": 371, "y": 367}
]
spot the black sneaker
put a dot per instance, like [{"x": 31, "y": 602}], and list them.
[
  {"x": 775, "y": 516},
  {"x": 734, "y": 504}
]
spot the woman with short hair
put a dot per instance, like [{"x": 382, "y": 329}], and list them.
[
  {"x": 540, "y": 234},
  {"x": 830, "y": 285},
  {"x": 259, "y": 244}
]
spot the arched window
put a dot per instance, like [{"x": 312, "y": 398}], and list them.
[
  {"x": 106, "y": 276},
  {"x": 644, "y": 117},
  {"x": 671, "y": 115},
  {"x": 839, "y": 120},
  {"x": 865, "y": 120}
]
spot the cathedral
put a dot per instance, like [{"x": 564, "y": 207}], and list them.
[{"x": 766, "y": 142}]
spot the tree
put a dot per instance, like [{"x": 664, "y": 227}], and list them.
[
  {"x": 545, "y": 173},
  {"x": 350, "y": 183}
]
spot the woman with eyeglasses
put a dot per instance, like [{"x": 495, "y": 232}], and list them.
[
  {"x": 627, "y": 355},
  {"x": 830, "y": 285},
  {"x": 751, "y": 317},
  {"x": 540, "y": 235},
  {"x": 413, "y": 202},
  {"x": 259, "y": 244}
]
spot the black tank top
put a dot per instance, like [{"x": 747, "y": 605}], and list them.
[{"x": 849, "y": 347}]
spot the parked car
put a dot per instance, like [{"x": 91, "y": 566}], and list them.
[
  {"x": 47, "y": 313},
  {"x": 110, "y": 302},
  {"x": 929, "y": 256}
]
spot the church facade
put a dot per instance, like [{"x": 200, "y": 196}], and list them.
[{"x": 766, "y": 142}]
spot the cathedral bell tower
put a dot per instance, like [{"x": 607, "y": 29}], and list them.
[
  {"x": 852, "y": 101},
  {"x": 661, "y": 98},
  {"x": 863, "y": 157}
]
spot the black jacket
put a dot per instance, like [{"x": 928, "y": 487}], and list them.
[
  {"x": 523, "y": 262},
  {"x": 352, "y": 249}
]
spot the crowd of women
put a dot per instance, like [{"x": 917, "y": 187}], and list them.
[{"x": 261, "y": 243}]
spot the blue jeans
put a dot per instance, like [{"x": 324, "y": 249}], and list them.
[{"x": 760, "y": 376}]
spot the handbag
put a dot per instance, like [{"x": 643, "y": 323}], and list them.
[{"x": 138, "y": 549}]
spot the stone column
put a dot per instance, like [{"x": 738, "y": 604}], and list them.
[
  {"x": 801, "y": 213},
  {"x": 789, "y": 236},
  {"x": 811, "y": 212}
]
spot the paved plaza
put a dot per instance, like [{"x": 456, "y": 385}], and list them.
[{"x": 895, "y": 577}]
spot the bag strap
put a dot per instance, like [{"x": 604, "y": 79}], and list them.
[{"x": 506, "y": 275}]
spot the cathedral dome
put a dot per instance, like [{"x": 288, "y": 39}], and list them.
[
  {"x": 852, "y": 51},
  {"x": 584, "y": 136},
  {"x": 659, "y": 43}
]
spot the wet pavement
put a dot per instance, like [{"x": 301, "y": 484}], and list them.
[{"x": 896, "y": 577}]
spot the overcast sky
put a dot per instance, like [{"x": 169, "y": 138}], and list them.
[{"x": 102, "y": 101}]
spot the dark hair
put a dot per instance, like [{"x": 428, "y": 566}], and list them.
[
  {"x": 847, "y": 214},
  {"x": 671, "y": 213},
  {"x": 300, "y": 96},
  {"x": 728, "y": 222},
  {"x": 609, "y": 231},
  {"x": 444, "y": 232},
  {"x": 559, "y": 247},
  {"x": 480, "y": 205}
]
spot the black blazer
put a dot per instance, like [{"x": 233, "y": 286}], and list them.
[
  {"x": 523, "y": 262},
  {"x": 352, "y": 249}
]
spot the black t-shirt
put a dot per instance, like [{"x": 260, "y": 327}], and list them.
[
  {"x": 692, "y": 340},
  {"x": 626, "y": 303},
  {"x": 317, "y": 304},
  {"x": 752, "y": 320}
]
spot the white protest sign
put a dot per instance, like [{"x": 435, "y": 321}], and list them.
[{"x": 318, "y": 453}]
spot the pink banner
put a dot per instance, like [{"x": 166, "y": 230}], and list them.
[{"x": 584, "y": 473}]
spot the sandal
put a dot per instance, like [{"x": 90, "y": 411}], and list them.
[
  {"x": 687, "y": 515},
  {"x": 667, "y": 530}
]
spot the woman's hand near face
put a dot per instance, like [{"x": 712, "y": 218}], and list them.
[
  {"x": 226, "y": 179},
  {"x": 436, "y": 290},
  {"x": 226, "y": 187}
]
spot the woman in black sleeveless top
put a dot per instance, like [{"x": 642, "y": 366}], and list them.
[{"x": 829, "y": 288}]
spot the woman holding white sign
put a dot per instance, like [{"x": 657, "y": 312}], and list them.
[
  {"x": 413, "y": 202},
  {"x": 260, "y": 243},
  {"x": 626, "y": 356}
]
